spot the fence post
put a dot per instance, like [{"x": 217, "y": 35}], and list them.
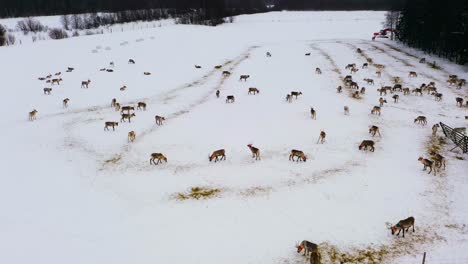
[{"x": 424, "y": 258}]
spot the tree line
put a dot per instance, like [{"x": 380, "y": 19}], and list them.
[
  {"x": 339, "y": 4},
  {"x": 436, "y": 26}
]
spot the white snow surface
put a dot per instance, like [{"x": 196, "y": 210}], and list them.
[{"x": 62, "y": 201}]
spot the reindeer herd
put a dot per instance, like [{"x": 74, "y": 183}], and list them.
[{"x": 127, "y": 112}]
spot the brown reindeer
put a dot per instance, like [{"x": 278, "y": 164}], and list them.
[
  {"x": 374, "y": 130},
  {"x": 299, "y": 154},
  {"x": 318, "y": 70},
  {"x": 131, "y": 136},
  {"x": 417, "y": 91},
  {"x": 230, "y": 99},
  {"x": 412, "y": 74},
  {"x": 382, "y": 91},
  {"x": 295, "y": 94},
  {"x": 365, "y": 65},
  {"x": 382, "y": 101},
  {"x": 32, "y": 115},
  {"x": 406, "y": 91},
  {"x": 356, "y": 95},
  {"x": 157, "y": 156},
  {"x": 421, "y": 120},
  {"x": 226, "y": 73},
  {"x": 322, "y": 136},
  {"x": 378, "y": 73},
  {"x": 439, "y": 160},
  {"x": 402, "y": 225},
  {"x": 47, "y": 90},
  {"x": 57, "y": 81},
  {"x": 339, "y": 89},
  {"x": 131, "y": 61},
  {"x": 255, "y": 152},
  {"x": 216, "y": 154},
  {"x": 369, "y": 81},
  {"x": 113, "y": 102},
  {"x": 218, "y": 67},
  {"x": 147, "y": 73},
  {"x": 128, "y": 117},
  {"x": 354, "y": 70},
  {"x": 350, "y": 66},
  {"x": 244, "y": 77},
  {"x": 310, "y": 251},
  {"x": 141, "y": 105},
  {"x": 58, "y": 73},
  {"x": 127, "y": 108},
  {"x": 437, "y": 96},
  {"x": 65, "y": 102},
  {"x": 288, "y": 98},
  {"x": 110, "y": 124},
  {"x": 85, "y": 84},
  {"x": 395, "y": 97},
  {"x": 159, "y": 120},
  {"x": 117, "y": 106},
  {"x": 367, "y": 144},
  {"x": 197, "y": 67},
  {"x": 346, "y": 110},
  {"x": 253, "y": 90},
  {"x": 459, "y": 101},
  {"x": 376, "y": 110},
  {"x": 427, "y": 164},
  {"x": 217, "y": 93},
  {"x": 123, "y": 88}
]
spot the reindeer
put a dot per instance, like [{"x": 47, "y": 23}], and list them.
[
  {"x": 226, "y": 73},
  {"x": 146, "y": 73},
  {"x": 339, "y": 89},
  {"x": 159, "y": 120},
  {"x": 230, "y": 99},
  {"x": 356, "y": 95},
  {"x": 363, "y": 90},
  {"x": 217, "y": 93},
  {"x": 397, "y": 87},
  {"x": 128, "y": 117},
  {"x": 268, "y": 54},
  {"x": 412, "y": 74},
  {"x": 253, "y": 90},
  {"x": 382, "y": 101},
  {"x": 49, "y": 76},
  {"x": 299, "y": 154},
  {"x": 58, "y": 73},
  {"x": 369, "y": 81},
  {"x": 402, "y": 225},
  {"x": 459, "y": 101},
  {"x": 110, "y": 124},
  {"x": 288, "y": 98},
  {"x": 131, "y": 136},
  {"x": 434, "y": 129},
  {"x": 111, "y": 64},
  {"x": 427, "y": 164},
  {"x": 367, "y": 144},
  {"x": 438, "y": 159},
  {"x": 70, "y": 69},
  {"x": 417, "y": 91},
  {"x": 117, "y": 106},
  {"x": 244, "y": 77},
  {"x": 218, "y": 67},
  {"x": 113, "y": 102},
  {"x": 406, "y": 91},
  {"x": 318, "y": 70},
  {"x": 109, "y": 70},
  {"x": 365, "y": 65},
  {"x": 57, "y": 81},
  {"x": 350, "y": 66},
  {"x": 322, "y": 136},
  {"x": 346, "y": 110},
  {"x": 123, "y": 88},
  {"x": 255, "y": 152},
  {"x": 32, "y": 115},
  {"x": 421, "y": 120},
  {"x": 295, "y": 94},
  {"x": 127, "y": 108},
  {"x": 437, "y": 96},
  {"x": 216, "y": 154},
  {"x": 313, "y": 113},
  {"x": 395, "y": 97},
  {"x": 131, "y": 61},
  {"x": 85, "y": 84},
  {"x": 141, "y": 105},
  {"x": 378, "y": 73},
  {"x": 354, "y": 85},
  {"x": 197, "y": 67},
  {"x": 157, "y": 156},
  {"x": 359, "y": 50},
  {"x": 422, "y": 60},
  {"x": 379, "y": 66},
  {"x": 47, "y": 90},
  {"x": 376, "y": 110},
  {"x": 452, "y": 81},
  {"x": 65, "y": 102},
  {"x": 382, "y": 91},
  {"x": 307, "y": 54},
  {"x": 310, "y": 251},
  {"x": 374, "y": 130},
  {"x": 354, "y": 70}
]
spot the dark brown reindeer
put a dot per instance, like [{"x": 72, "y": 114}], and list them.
[
  {"x": 230, "y": 99},
  {"x": 110, "y": 124},
  {"x": 65, "y": 102},
  {"x": 128, "y": 117},
  {"x": 157, "y": 156},
  {"x": 127, "y": 108},
  {"x": 376, "y": 110},
  {"x": 47, "y": 91},
  {"x": 395, "y": 97},
  {"x": 253, "y": 90},
  {"x": 85, "y": 84},
  {"x": 295, "y": 94},
  {"x": 412, "y": 74},
  {"x": 367, "y": 144},
  {"x": 373, "y": 130},
  {"x": 221, "y": 154},
  {"x": 402, "y": 225},
  {"x": 57, "y": 81},
  {"x": 244, "y": 77},
  {"x": 313, "y": 113},
  {"x": 255, "y": 152},
  {"x": 322, "y": 137},
  {"x": 459, "y": 101},
  {"x": 159, "y": 120},
  {"x": 309, "y": 250},
  {"x": 421, "y": 120},
  {"x": 318, "y": 70},
  {"x": 32, "y": 115},
  {"x": 141, "y": 105},
  {"x": 217, "y": 93},
  {"x": 226, "y": 73},
  {"x": 439, "y": 160}
]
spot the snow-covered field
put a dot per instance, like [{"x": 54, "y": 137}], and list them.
[{"x": 71, "y": 192}]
